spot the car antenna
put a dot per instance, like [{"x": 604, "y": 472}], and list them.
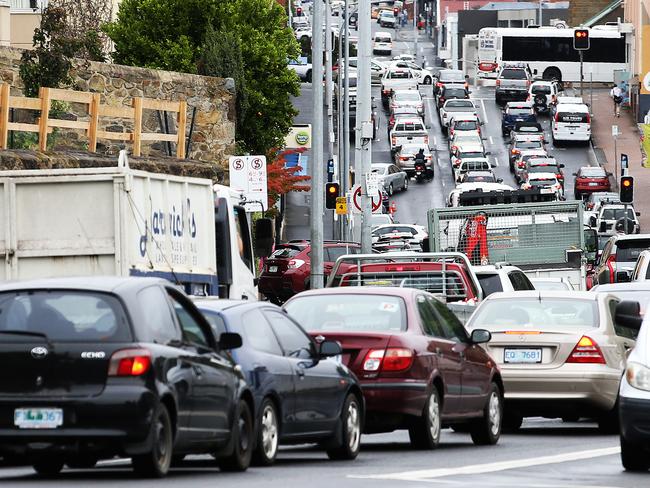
[{"x": 539, "y": 297}]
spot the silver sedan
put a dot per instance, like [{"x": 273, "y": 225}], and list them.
[{"x": 391, "y": 177}]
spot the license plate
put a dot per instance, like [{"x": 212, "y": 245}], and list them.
[
  {"x": 38, "y": 418},
  {"x": 593, "y": 184},
  {"x": 522, "y": 356},
  {"x": 273, "y": 269}
]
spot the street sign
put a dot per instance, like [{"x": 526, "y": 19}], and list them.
[
  {"x": 356, "y": 200},
  {"x": 248, "y": 175},
  {"x": 341, "y": 206},
  {"x": 372, "y": 183},
  {"x": 615, "y": 132},
  {"x": 624, "y": 164}
]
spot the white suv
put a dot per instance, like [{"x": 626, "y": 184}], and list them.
[{"x": 501, "y": 277}]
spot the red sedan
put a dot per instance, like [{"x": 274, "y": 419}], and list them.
[
  {"x": 590, "y": 179},
  {"x": 418, "y": 367}
]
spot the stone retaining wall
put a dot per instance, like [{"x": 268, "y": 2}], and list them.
[{"x": 213, "y": 136}]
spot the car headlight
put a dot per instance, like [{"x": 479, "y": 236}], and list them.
[{"x": 638, "y": 376}]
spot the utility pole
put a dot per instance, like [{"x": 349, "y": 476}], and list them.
[
  {"x": 363, "y": 129},
  {"x": 415, "y": 30},
  {"x": 582, "y": 80},
  {"x": 345, "y": 139},
  {"x": 317, "y": 186},
  {"x": 541, "y": 20},
  {"x": 329, "y": 95}
]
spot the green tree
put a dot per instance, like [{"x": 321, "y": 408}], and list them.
[{"x": 176, "y": 35}]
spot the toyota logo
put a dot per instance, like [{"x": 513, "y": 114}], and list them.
[{"x": 39, "y": 352}]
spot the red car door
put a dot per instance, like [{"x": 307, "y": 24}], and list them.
[{"x": 449, "y": 361}]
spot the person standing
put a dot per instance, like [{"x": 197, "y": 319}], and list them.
[{"x": 617, "y": 95}]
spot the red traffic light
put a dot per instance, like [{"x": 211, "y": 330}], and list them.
[
  {"x": 581, "y": 39},
  {"x": 627, "y": 189}
]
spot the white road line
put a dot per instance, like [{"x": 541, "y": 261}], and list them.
[
  {"x": 435, "y": 142},
  {"x": 439, "y": 163},
  {"x": 485, "y": 118},
  {"x": 430, "y": 111},
  {"x": 429, "y": 474},
  {"x": 491, "y": 140},
  {"x": 496, "y": 161}
]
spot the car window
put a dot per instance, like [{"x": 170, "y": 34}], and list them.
[
  {"x": 520, "y": 281},
  {"x": 160, "y": 326},
  {"x": 513, "y": 74},
  {"x": 452, "y": 327},
  {"x": 335, "y": 252},
  {"x": 216, "y": 321},
  {"x": 293, "y": 340},
  {"x": 428, "y": 318},
  {"x": 490, "y": 283},
  {"x": 627, "y": 251},
  {"x": 192, "y": 331},
  {"x": 258, "y": 334},
  {"x": 621, "y": 331}
]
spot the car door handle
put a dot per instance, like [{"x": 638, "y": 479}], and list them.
[
  {"x": 438, "y": 352},
  {"x": 300, "y": 373},
  {"x": 198, "y": 370}
]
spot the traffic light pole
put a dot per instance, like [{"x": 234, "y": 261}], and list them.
[
  {"x": 582, "y": 79},
  {"x": 317, "y": 195}
]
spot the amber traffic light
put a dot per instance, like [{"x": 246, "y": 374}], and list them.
[
  {"x": 581, "y": 39},
  {"x": 627, "y": 189},
  {"x": 331, "y": 193}
]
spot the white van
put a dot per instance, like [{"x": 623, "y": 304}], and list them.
[
  {"x": 383, "y": 43},
  {"x": 571, "y": 122}
]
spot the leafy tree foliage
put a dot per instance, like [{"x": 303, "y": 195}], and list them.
[{"x": 282, "y": 180}]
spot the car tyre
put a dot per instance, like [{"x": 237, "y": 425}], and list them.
[
  {"x": 156, "y": 463},
  {"x": 308, "y": 76},
  {"x": 425, "y": 431},
  {"x": 512, "y": 422},
  {"x": 487, "y": 430},
  {"x": 633, "y": 456},
  {"x": 390, "y": 190},
  {"x": 82, "y": 462},
  {"x": 406, "y": 184},
  {"x": 242, "y": 440},
  {"x": 48, "y": 467},
  {"x": 268, "y": 435},
  {"x": 350, "y": 423},
  {"x": 609, "y": 423}
]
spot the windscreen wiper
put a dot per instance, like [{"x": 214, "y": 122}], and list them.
[{"x": 26, "y": 333}]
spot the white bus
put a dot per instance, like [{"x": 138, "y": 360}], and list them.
[{"x": 549, "y": 50}]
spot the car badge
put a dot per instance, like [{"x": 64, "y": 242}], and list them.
[
  {"x": 39, "y": 381},
  {"x": 319, "y": 338},
  {"x": 39, "y": 352}
]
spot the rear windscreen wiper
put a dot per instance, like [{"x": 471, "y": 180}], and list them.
[{"x": 26, "y": 333}]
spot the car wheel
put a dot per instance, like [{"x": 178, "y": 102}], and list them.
[
  {"x": 268, "y": 432},
  {"x": 486, "y": 431},
  {"x": 576, "y": 195},
  {"x": 633, "y": 456},
  {"x": 82, "y": 462},
  {"x": 609, "y": 422},
  {"x": 48, "y": 467},
  {"x": 390, "y": 190},
  {"x": 351, "y": 436},
  {"x": 308, "y": 77},
  {"x": 156, "y": 463},
  {"x": 427, "y": 80},
  {"x": 242, "y": 441},
  {"x": 425, "y": 431},
  {"x": 406, "y": 183}
]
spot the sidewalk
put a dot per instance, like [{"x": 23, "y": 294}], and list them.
[{"x": 628, "y": 142}]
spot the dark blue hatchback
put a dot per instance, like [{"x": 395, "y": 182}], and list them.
[
  {"x": 515, "y": 112},
  {"x": 303, "y": 393}
]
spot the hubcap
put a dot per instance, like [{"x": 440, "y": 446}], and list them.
[
  {"x": 243, "y": 433},
  {"x": 434, "y": 416},
  {"x": 269, "y": 432},
  {"x": 162, "y": 448},
  {"x": 494, "y": 413},
  {"x": 353, "y": 426}
]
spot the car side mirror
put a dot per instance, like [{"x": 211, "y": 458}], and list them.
[
  {"x": 487, "y": 153},
  {"x": 628, "y": 314},
  {"x": 480, "y": 336},
  {"x": 561, "y": 166},
  {"x": 638, "y": 214},
  {"x": 603, "y": 227},
  {"x": 229, "y": 340},
  {"x": 609, "y": 174},
  {"x": 622, "y": 276},
  {"x": 328, "y": 349},
  {"x": 499, "y": 180},
  {"x": 263, "y": 237},
  {"x": 575, "y": 174},
  {"x": 592, "y": 221}
]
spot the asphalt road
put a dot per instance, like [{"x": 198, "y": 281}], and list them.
[{"x": 545, "y": 454}]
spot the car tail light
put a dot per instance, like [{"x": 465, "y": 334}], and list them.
[
  {"x": 442, "y": 100},
  {"x": 403, "y": 158},
  {"x": 129, "y": 362},
  {"x": 295, "y": 263},
  {"x": 391, "y": 359},
  {"x": 521, "y": 165},
  {"x": 393, "y": 140},
  {"x": 426, "y": 139},
  {"x": 498, "y": 82},
  {"x": 559, "y": 176},
  {"x": 611, "y": 266},
  {"x": 586, "y": 351},
  {"x": 453, "y": 148},
  {"x": 527, "y": 82},
  {"x": 588, "y": 118},
  {"x": 391, "y": 121},
  {"x": 438, "y": 84},
  {"x": 393, "y": 105},
  {"x": 385, "y": 92},
  {"x": 515, "y": 151}
]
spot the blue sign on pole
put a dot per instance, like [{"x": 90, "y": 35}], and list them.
[
  {"x": 330, "y": 170},
  {"x": 624, "y": 163}
]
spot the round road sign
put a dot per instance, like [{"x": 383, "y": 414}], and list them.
[{"x": 357, "y": 203}]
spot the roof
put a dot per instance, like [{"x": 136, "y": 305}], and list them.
[
  {"x": 404, "y": 292},
  {"x": 523, "y": 6},
  {"x": 622, "y": 287},
  {"x": 106, "y": 284},
  {"x": 542, "y": 294},
  {"x": 572, "y": 107}
]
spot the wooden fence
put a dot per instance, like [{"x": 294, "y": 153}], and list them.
[{"x": 95, "y": 110}]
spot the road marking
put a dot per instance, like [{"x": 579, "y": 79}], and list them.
[
  {"x": 484, "y": 112},
  {"x": 435, "y": 142},
  {"x": 430, "y": 111},
  {"x": 496, "y": 161},
  {"x": 429, "y": 474},
  {"x": 491, "y": 140},
  {"x": 439, "y": 164}
]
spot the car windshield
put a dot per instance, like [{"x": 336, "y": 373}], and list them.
[
  {"x": 65, "y": 316},
  {"x": 394, "y": 230},
  {"x": 470, "y": 178},
  {"x": 399, "y": 75},
  {"x": 409, "y": 96},
  {"x": 617, "y": 213},
  {"x": 382, "y": 170},
  {"x": 541, "y": 89},
  {"x": 471, "y": 154},
  {"x": 520, "y": 111},
  {"x": 451, "y": 76},
  {"x": 455, "y": 93},
  {"x": 592, "y": 172},
  {"x": 413, "y": 149},
  {"x": 542, "y": 181},
  {"x": 551, "y": 285},
  {"x": 466, "y": 125},
  {"x": 542, "y": 168},
  {"x": 409, "y": 127},
  {"x": 529, "y": 144},
  {"x": 628, "y": 251},
  {"x": 286, "y": 252},
  {"x": 349, "y": 313},
  {"x": 539, "y": 313},
  {"x": 513, "y": 74}
]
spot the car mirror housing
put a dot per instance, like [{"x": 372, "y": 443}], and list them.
[
  {"x": 329, "y": 348},
  {"x": 628, "y": 314},
  {"x": 229, "y": 340},
  {"x": 480, "y": 336}
]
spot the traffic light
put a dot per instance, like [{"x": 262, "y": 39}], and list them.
[
  {"x": 627, "y": 189},
  {"x": 331, "y": 193},
  {"x": 581, "y": 39}
]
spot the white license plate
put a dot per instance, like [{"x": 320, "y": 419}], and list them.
[
  {"x": 522, "y": 356},
  {"x": 38, "y": 418},
  {"x": 273, "y": 269},
  {"x": 593, "y": 184}
]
